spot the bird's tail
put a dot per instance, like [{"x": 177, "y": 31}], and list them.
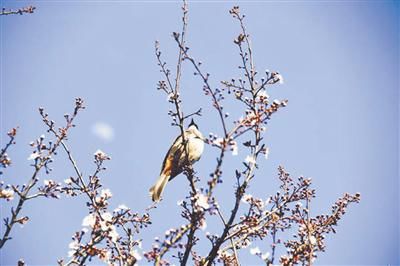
[{"x": 158, "y": 188}]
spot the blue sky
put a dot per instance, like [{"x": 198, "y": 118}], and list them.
[{"x": 340, "y": 61}]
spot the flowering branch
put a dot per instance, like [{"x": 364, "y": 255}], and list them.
[
  {"x": 102, "y": 223},
  {"x": 5, "y": 161},
  {"x": 20, "y": 11},
  {"x": 42, "y": 157}
]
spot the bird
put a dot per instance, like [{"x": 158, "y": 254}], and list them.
[{"x": 176, "y": 159}]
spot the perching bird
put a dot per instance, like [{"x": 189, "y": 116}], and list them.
[{"x": 175, "y": 159}]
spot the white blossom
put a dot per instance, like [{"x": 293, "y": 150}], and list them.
[
  {"x": 73, "y": 245},
  {"x": 262, "y": 96},
  {"x": 255, "y": 251},
  {"x": 107, "y": 216},
  {"x": 33, "y": 156},
  {"x": 99, "y": 153},
  {"x": 105, "y": 193},
  {"x": 252, "y": 118},
  {"x": 235, "y": 151},
  {"x": 113, "y": 234},
  {"x": 276, "y": 78},
  {"x": 268, "y": 201},
  {"x": 250, "y": 159},
  {"x": 266, "y": 153},
  {"x": 265, "y": 256},
  {"x": 203, "y": 224},
  {"x": 136, "y": 254},
  {"x": 7, "y": 194},
  {"x": 277, "y": 102},
  {"x": 202, "y": 201},
  {"x": 224, "y": 253},
  {"x": 218, "y": 142},
  {"x": 104, "y": 225},
  {"x": 71, "y": 253},
  {"x": 121, "y": 207},
  {"x": 68, "y": 181},
  {"x": 170, "y": 96},
  {"x": 89, "y": 220},
  {"x": 313, "y": 240},
  {"x": 246, "y": 198},
  {"x": 279, "y": 78},
  {"x": 106, "y": 256}
]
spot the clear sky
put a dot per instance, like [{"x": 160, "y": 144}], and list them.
[{"x": 340, "y": 61}]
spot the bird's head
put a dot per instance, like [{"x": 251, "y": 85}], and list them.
[
  {"x": 194, "y": 129},
  {"x": 193, "y": 124}
]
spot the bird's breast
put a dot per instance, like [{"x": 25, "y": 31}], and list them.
[{"x": 196, "y": 148}]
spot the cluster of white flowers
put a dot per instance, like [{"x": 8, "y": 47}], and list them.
[
  {"x": 277, "y": 102},
  {"x": 135, "y": 253},
  {"x": 73, "y": 246},
  {"x": 202, "y": 201},
  {"x": 49, "y": 182},
  {"x": 105, "y": 223},
  {"x": 170, "y": 97},
  {"x": 203, "y": 224},
  {"x": 7, "y": 194},
  {"x": 250, "y": 159},
  {"x": 99, "y": 152},
  {"x": 276, "y": 78},
  {"x": 313, "y": 240},
  {"x": 99, "y": 155},
  {"x": 68, "y": 181},
  {"x": 121, "y": 207},
  {"x": 266, "y": 153},
  {"x": 216, "y": 141},
  {"x": 251, "y": 117},
  {"x": 256, "y": 251},
  {"x": 262, "y": 97},
  {"x": 105, "y": 257},
  {"x": 33, "y": 156},
  {"x": 89, "y": 220},
  {"x": 247, "y": 198},
  {"x": 106, "y": 193}
]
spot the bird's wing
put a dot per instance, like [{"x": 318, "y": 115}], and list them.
[{"x": 171, "y": 156}]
